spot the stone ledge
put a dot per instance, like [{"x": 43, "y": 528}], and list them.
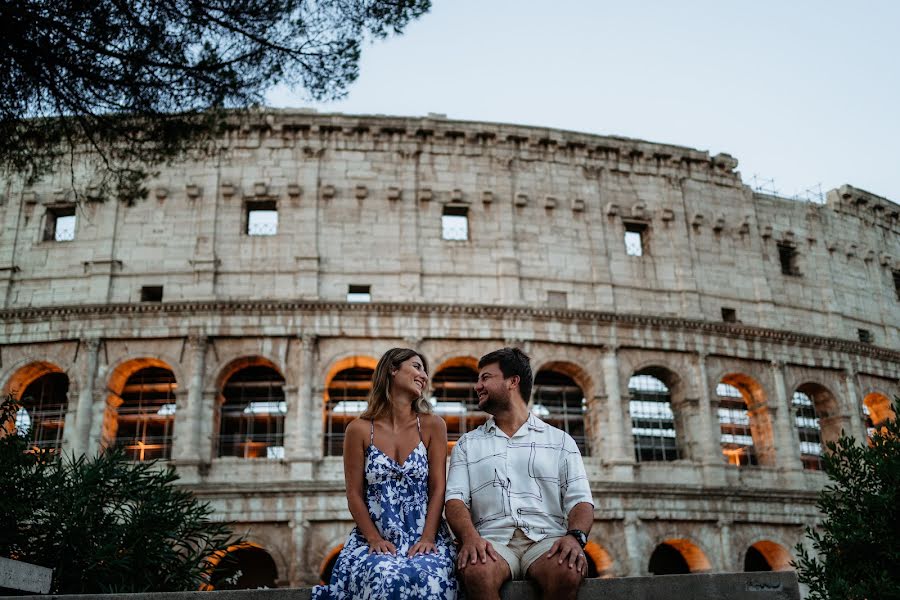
[{"x": 712, "y": 586}]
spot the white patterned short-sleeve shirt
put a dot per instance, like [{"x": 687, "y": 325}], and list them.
[{"x": 530, "y": 481}]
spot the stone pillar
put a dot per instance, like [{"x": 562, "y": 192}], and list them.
[
  {"x": 189, "y": 417},
  {"x": 854, "y": 406},
  {"x": 635, "y": 564},
  {"x": 618, "y": 448},
  {"x": 207, "y": 426},
  {"x": 708, "y": 430},
  {"x": 81, "y": 439},
  {"x": 728, "y": 563},
  {"x": 302, "y": 417},
  {"x": 787, "y": 444}
]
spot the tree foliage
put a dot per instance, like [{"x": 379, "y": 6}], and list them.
[
  {"x": 134, "y": 83},
  {"x": 857, "y": 551},
  {"x": 103, "y": 524}
]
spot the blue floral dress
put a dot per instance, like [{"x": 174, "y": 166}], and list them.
[{"x": 397, "y": 497}]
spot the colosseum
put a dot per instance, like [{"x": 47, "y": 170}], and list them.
[{"x": 699, "y": 340}]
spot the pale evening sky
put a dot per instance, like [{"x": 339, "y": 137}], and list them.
[{"x": 805, "y": 92}]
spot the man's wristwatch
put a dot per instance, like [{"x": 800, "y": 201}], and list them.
[{"x": 579, "y": 535}]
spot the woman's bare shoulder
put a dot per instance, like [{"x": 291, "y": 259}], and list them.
[
  {"x": 433, "y": 423},
  {"x": 357, "y": 428}
]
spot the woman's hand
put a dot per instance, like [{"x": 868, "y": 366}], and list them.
[
  {"x": 382, "y": 546},
  {"x": 423, "y": 546}
]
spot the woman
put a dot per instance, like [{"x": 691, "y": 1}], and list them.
[{"x": 395, "y": 457}]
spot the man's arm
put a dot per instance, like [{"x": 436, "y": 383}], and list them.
[{"x": 474, "y": 548}]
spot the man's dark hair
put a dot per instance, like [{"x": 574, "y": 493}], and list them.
[{"x": 512, "y": 361}]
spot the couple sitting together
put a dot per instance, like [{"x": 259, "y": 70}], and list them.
[{"x": 517, "y": 496}]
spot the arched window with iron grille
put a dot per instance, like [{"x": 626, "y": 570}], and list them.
[
  {"x": 43, "y": 411},
  {"x": 346, "y": 400},
  {"x": 146, "y": 416},
  {"x": 735, "y": 434},
  {"x": 652, "y": 419},
  {"x": 807, "y": 424},
  {"x": 251, "y": 423},
  {"x": 559, "y": 401}
]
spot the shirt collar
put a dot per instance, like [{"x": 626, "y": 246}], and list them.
[{"x": 533, "y": 423}]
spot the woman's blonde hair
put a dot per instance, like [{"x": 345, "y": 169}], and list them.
[{"x": 379, "y": 400}]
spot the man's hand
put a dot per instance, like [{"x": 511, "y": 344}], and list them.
[
  {"x": 473, "y": 550},
  {"x": 569, "y": 550}
]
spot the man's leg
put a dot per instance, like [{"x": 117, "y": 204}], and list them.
[
  {"x": 557, "y": 581},
  {"x": 483, "y": 579}
]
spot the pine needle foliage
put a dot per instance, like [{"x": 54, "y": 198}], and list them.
[
  {"x": 857, "y": 545},
  {"x": 118, "y": 87},
  {"x": 103, "y": 524}
]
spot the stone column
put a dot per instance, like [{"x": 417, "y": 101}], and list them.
[
  {"x": 787, "y": 444},
  {"x": 618, "y": 448},
  {"x": 207, "y": 426},
  {"x": 708, "y": 444},
  {"x": 727, "y": 563},
  {"x": 189, "y": 417},
  {"x": 304, "y": 419},
  {"x": 854, "y": 406},
  {"x": 81, "y": 439},
  {"x": 633, "y": 547}
]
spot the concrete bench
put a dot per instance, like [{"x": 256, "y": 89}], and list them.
[{"x": 712, "y": 586}]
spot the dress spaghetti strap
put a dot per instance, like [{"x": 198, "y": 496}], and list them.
[
  {"x": 419, "y": 428},
  {"x": 372, "y": 432}
]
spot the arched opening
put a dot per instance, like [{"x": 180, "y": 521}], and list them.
[
  {"x": 816, "y": 420},
  {"x": 251, "y": 414},
  {"x": 328, "y": 563},
  {"x": 453, "y": 397},
  {"x": 678, "y": 556},
  {"x": 559, "y": 400},
  {"x": 42, "y": 415},
  {"x": 735, "y": 433},
  {"x": 345, "y": 399},
  {"x": 244, "y": 568},
  {"x": 599, "y": 561},
  {"x": 146, "y": 414},
  {"x": 767, "y": 556},
  {"x": 652, "y": 419},
  {"x": 878, "y": 411}
]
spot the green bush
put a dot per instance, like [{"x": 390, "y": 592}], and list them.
[
  {"x": 857, "y": 546},
  {"x": 103, "y": 524}
]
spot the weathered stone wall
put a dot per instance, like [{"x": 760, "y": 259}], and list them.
[{"x": 359, "y": 202}]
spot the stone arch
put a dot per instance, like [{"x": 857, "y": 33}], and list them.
[
  {"x": 227, "y": 368},
  {"x": 766, "y": 555},
  {"x": 24, "y": 373},
  {"x": 656, "y": 423},
  {"x": 347, "y": 384},
  {"x": 878, "y": 410},
  {"x": 250, "y": 409},
  {"x": 120, "y": 369},
  {"x": 327, "y": 564},
  {"x": 600, "y": 562},
  {"x": 756, "y": 406},
  {"x": 244, "y": 566},
  {"x": 559, "y": 397},
  {"x": 677, "y": 555},
  {"x": 453, "y": 395},
  {"x": 143, "y": 426},
  {"x": 817, "y": 421}
]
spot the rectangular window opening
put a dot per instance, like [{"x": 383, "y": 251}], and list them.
[
  {"x": 455, "y": 223},
  {"x": 787, "y": 254},
  {"x": 635, "y": 234},
  {"x": 557, "y": 299},
  {"x": 60, "y": 224},
  {"x": 151, "y": 293},
  {"x": 262, "y": 217},
  {"x": 865, "y": 336},
  {"x": 729, "y": 315},
  {"x": 359, "y": 293}
]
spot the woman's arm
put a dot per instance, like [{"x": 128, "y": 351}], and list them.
[
  {"x": 436, "y": 441},
  {"x": 355, "y": 442}
]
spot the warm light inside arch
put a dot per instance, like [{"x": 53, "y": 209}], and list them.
[{"x": 775, "y": 554}]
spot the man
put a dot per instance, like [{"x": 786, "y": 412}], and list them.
[{"x": 517, "y": 496}]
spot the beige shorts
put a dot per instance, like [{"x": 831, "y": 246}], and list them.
[{"x": 521, "y": 552}]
